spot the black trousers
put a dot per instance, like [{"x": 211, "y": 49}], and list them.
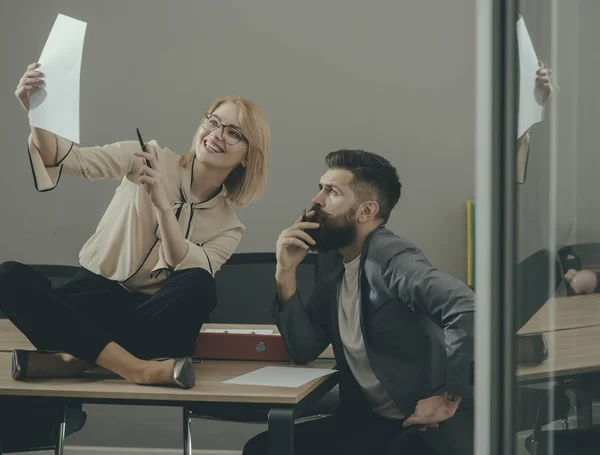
[
  {"x": 348, "y": 434},
  {"x": 84, "y": 315},
  {"x": 336, "y": 435}
]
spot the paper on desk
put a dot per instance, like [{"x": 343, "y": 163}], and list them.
[
  {"x": 55, "y": 106},
  {"x": 530, "y": 104},
  {"x": 245, "y": 331},
  {"x": 280, "y": 376}
]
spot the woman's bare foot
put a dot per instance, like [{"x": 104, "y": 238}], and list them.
[{"x": 177, "y": 372}]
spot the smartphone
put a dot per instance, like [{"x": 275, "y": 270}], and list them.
[
  {"x": 143, "y": 147},
  {"x": 305, "y": 219}
]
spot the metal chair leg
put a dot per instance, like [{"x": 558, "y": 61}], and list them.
[
  {"x": 60, "y": 442},
  {"x": 187, "y": 431},
  {"x": 281, "y": 431},
  {"x": 534, "y": 447}
]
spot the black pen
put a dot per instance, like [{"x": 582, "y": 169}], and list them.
[{"x": 143, "y": 147}]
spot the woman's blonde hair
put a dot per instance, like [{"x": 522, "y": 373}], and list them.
[{"x": 243, "y": 185}]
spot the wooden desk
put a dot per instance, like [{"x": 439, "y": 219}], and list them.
[
  {"x": 570, "y": 352},
  {"x": 284, "y": 403},
  {"x": 210, "y": 375},
  {"x": 11, "y": 338},
  {"x": 561, "y": 313}
]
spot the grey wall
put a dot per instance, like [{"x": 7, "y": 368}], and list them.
[{"x": 396, "y": 78}]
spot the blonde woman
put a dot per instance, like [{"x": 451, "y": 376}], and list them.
[{"x": 146, "y": 283}]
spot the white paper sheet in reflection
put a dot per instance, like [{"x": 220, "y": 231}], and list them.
[
  {"x": 531, "y": 109},
  {"x": 55, "y": 106},
  {"x": 280, "y": 376}
]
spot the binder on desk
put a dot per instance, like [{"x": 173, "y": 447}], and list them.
[{"x": 241, "y": 346}]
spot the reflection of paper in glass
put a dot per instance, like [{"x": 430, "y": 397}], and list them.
[
  {"x": 530, "y": 105},
  {"x": 242, "y": 331},
  {"x": 280, "y": 376},
  {"x": 55, "y": 106}
]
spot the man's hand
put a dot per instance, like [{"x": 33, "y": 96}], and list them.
[
  {"x": 292, "y": 245},
  {"x": 291, "y": 250},
  {"x": 433, "y": 410},
  {"x": 581, "y": 281}
]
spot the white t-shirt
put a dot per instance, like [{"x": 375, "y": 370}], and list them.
[{"x": 354, "y": 344}]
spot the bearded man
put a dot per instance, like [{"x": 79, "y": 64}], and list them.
[{"x": 401, "y": 330}]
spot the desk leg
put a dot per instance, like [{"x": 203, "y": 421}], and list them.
[
  {"x": 187, "y": 431},
  {"x": 583, "y": 403},
  {"x": 281, "y": 431},
  {"x": 60, "y": 440}
]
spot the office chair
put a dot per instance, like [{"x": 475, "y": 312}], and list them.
[
  {"x": 580, "y": 441},
  {"x": 537, "y": 279},
  {"x": 245, "y": 286},
  {"x": 28, "y": 425}
]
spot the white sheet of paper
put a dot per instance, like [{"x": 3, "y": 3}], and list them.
[
  {"x": 245, "y": 331},
  {"x": 55, "y": 106},
  {"x": 531, "y": 109},
  {"x": 280, "y": 376}
]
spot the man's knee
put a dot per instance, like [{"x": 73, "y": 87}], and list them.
[
  {"x": 257, "y": 445},
  {"x": 455, "y": 435}
]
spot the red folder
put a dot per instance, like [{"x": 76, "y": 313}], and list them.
[{"x": 241, "y": 346}]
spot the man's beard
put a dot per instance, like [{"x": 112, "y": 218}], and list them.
[{"x": 334, "y": 232}]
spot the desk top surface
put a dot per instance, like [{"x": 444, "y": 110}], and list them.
[
  {"x": 570, "y": 351},
  {"x": 561, "y": 313},
  {"x": 210, "y": 375},
  {"x": 11, "y": 338}
]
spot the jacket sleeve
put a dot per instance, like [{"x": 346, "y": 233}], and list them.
[
  {"x": 210, "y": 255},
  {"x": 304, "y": 325},
  {"x": 446, "y": 301},
  {"x": 113, "y": 161}
]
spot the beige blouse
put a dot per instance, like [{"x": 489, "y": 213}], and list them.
[{"x": 127, "y": 246}]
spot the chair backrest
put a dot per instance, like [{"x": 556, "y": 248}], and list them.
[
  {"x": 246, "y": 286},
  {"x": 588, "y": 253},
  {"x": 533, "y": 283}
]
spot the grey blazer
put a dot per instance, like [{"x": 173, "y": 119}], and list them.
[{"x": 417, "y": 323}]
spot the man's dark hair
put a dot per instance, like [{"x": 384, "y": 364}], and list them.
[{"x": 375, "y": 179}]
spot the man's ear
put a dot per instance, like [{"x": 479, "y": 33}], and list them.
[{"x": 367, "y": 211}]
